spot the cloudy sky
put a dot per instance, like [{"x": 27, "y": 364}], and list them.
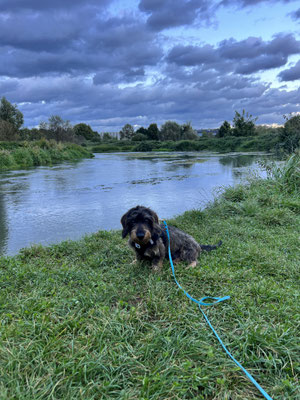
[{"x": 112, "y": 62}]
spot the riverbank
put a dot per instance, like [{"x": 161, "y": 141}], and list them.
[
  {"x": 266, "y": 142},
  {"x": 18, "y": 155},
  {"x": 79, "y": 321}
]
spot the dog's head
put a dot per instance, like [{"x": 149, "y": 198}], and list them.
[{"x": 141, "y": 224}]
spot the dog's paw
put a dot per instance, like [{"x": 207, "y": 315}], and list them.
[
  {"x": 156, "y": 268},
  {"x": 192, "y": 264}
]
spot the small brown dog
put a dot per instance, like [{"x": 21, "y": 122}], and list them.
[{"x": 149, "y": 239}]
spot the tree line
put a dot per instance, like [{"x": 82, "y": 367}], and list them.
[
  {"x": 12, "y": 119},
  {"x": 243, "y": 125}
]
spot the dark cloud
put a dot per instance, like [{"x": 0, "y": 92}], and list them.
[
  {"x": 252, "y": 47},
  {"x": 77, "y": 46},
  {"x": 250, "y": 3},
  {"x": 11, "y": 5},
  {"x": 295, "y": 15},
  {"x": 291, "y": 74},
  {"x": 172, "y": 13},
  {"x": 243, "y": 57},
  {"x": 261, "y": 63},
  {"x": 193, "y": 55},
  {"x": 127, "y": 76}
]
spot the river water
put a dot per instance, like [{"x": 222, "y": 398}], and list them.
[{"x": 49, "y": 204}]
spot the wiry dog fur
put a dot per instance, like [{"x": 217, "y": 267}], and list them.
[{"x": 149, "y": 239}]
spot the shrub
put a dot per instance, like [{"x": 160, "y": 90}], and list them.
[
  {"x": 6, "y": 160},
  {"x": 143, "y": 146},
  {"x": 23, "y": 157},
  {"x": 187, "y": 145}
]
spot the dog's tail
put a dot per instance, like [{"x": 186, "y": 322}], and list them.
[{"x": 208, "y": 247}]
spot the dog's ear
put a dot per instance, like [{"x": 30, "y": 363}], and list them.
[
  {"x": 124, "y": 222},
  {"x": 156, "y": 232},
  {"x": 154, "y": 217}
]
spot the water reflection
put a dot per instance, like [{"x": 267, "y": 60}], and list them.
[{"x": 50, "y": 204}]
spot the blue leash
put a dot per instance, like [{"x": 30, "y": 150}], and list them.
[{"x": 202, "y": 302}]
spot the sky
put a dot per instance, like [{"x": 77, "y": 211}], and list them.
[{"x": 107, "y": 63}]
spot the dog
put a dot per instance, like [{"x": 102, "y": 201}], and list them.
[{"x": 149, "y": 239}]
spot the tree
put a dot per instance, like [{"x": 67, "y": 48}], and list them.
[
  {"x": 290, "y": 133},
  {"x": 85, "y": 130},
  {"x": 7, "y": 131},
  {"x": 243, "y": 124},
  {"x": 10, "y": 114},
  {"x": 170, "y": 130},
  {"x": 58, "y": 129},
  {"x": 127, "y": 132},
  {"x": 187, "y": 132},
  {"x": 56, "y": 123},
  {"x": 143, "y": 131},
  {"x": 153, "y": 132},
  {"x": 224, "y": 130}
]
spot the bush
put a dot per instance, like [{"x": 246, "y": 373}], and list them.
[
  {"x": 6, "y": 160},
  {"x": 7, "y": 131},
  {"x": 143, "y": 146},
  {"x": 290, "y": 134},
  {"x": 187, "y": 145},
  {"x": 22, "y": 157}
]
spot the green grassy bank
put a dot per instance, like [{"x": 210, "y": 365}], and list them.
[
  {"x": 79, "y": 321},
  {"x": 17, "y": 155},
  {"x": 266, "y": 142}
]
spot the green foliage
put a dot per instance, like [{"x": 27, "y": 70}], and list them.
[
  {"x": 85, "y": 131},
  {"x": 42, "y": 152},
  {"x": 138, "y": 137},
  {"x": 56, "y": 123},
  {"x": 7, "y": 131},
  {"x": 127, "y": 132},
  {"x": 243, "y": 124},
  {"x": 170, "y": 130},
  {"x": 187, "y": 145},
  {"x": 290, "y": 134},
  {"x": 10, "y": 114},
  {"x": 6, "y": 160},
  {"x": 187, "y": 132},
  {"x": 153, "y": 132},
  {"x": 143, "y": 131},
  {"x": 286, "y": 175},
  {"x": 143, "y": 146},
  {"x": 23, "y": 158},
  {"x": 224, "y": 130}
]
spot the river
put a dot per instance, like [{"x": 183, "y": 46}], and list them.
[{"x": 49, "y": 204}]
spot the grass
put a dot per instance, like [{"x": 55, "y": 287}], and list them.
[
  {"x": 43, "y": 152},
  {"x": 79, "y": 321}
]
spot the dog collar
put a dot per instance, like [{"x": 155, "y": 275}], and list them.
[{"x": 138, "y": 246}]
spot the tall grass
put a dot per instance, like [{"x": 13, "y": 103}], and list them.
[
  {"x": 287, "y": 175},
  {"x": 42, "y": 152}
]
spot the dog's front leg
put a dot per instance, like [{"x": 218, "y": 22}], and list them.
[
  {"x": 138, "y": 258},
  {"x": 157, "y": 263}
]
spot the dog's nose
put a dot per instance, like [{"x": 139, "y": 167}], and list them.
[{"x": 140, "y": 235}]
